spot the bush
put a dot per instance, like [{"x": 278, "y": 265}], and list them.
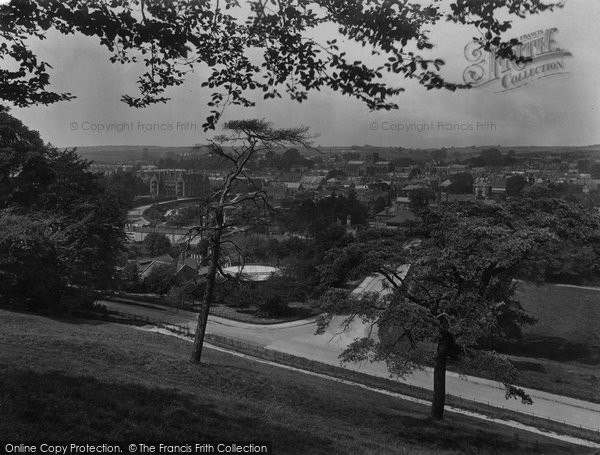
[
  {"x": 29, "y": 263},
  {"x": 159, "y": 280},
  {"x": 188, "y": 291},
  {"x": 135, "y": 250},
  {"x": 130, "y": 278},
  {"x": 268, "y": 300},
  {"x": 285, "y": 287},
  {"x": 243, "y": 297},
  {"x": 271, "y": 305},
  {"x": 237, "y": 295},
  {"x": 156, "y": 244}
]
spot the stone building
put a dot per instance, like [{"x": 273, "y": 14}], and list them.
[{"x": 175, "y": 182}]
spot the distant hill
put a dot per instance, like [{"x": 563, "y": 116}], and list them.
[{"x": 122, "y": 153}]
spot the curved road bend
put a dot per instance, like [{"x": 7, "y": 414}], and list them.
[
  {"x": 297, "y": 338},
  {"x": 138, "y": 212}
]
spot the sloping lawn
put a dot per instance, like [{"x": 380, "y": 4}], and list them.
[
  {"x": 560, "y": 353},
  {"x": 567, "y": 313},
  {"x": 76, "y": 380}
]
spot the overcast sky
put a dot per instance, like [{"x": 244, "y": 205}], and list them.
[{"x": 558, "y": 110}]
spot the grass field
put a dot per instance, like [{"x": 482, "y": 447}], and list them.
[
  {"x": 566, "y": 315},
  {"x": 65, "y": 380},
  {"x": 561, "y": 352}
]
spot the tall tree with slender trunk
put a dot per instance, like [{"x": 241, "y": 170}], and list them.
[{"x": 244, "y": 139}]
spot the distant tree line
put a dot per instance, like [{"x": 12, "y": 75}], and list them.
[
  {"x": 127, "y": 186},
  {"x": 494, "y": 158},
  {"x": 313, "y": 216},
  {"x": 285, "y": 161}
]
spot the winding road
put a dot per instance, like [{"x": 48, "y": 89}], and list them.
[{"x": 298, "y": 338}]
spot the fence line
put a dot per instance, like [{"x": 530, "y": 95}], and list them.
[
  {"x": 182, "y": 329},
  {"x": 533, "y": 415}
]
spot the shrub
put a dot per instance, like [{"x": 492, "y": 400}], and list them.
[
  {"x": 272, "y": 305},
  {"x": 240, "y": 296},
  {"x": 29, "y": 263},
  {"x": 159, "y": 280},
  {"x": 178, "y": 296},
  {"x": 130, "y": 278},
  {"x": 156, "y": 244},
  {"x": 286, "y": 288}
]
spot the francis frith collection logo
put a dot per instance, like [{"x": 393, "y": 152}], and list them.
[{"x": 547, "y": 59}]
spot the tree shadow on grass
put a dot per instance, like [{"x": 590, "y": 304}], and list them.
[
  {"x": 524, "y": 365},
  {"x": 464, "y": 438},
  {"x": 551, "y": 348},
  {"x": 53, "y": 406},
  {"x": 79, "y": 318}
]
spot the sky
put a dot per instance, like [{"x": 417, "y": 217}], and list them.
[{"x": 561, "y": 109}]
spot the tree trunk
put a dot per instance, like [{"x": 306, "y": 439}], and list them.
[
  {"x": 208, "y": 293},
  {"x": 439, "y": 377}
]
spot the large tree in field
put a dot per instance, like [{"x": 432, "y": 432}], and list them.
[
  {"x": 257, "y": 45},
  {"x": 459, "y": 291},
  {"x": 242, "y": 140}
]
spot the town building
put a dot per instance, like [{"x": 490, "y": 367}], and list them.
[{"x": 175, "y": 182}]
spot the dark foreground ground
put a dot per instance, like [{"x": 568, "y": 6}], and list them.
[{"x": 80, "y": 380}]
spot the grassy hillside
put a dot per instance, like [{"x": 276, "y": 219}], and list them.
[
  {"x": 566, "y": 313},
  {"x": 560, "y": 353},
  {"x": 86, "y": 380}
]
